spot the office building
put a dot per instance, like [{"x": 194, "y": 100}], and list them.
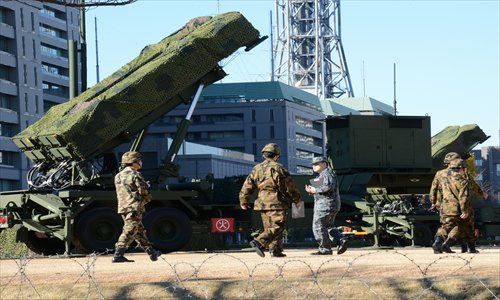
[
  {"x": 245, "y": 116},
  {"x": 487, "y": 161}
]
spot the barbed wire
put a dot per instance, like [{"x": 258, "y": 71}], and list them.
[{"x": 291, "y": 278}]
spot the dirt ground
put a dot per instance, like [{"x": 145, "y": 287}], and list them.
[{"x": 392, "y": 262}]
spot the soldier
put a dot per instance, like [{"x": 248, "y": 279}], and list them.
[
  {"x": 469, "y": 240},
  {"x": 276, "y": 192},
  {"x": 435, "y": 195},
  {"x": 133, "y": 194},
  {"x": 435, "y": 198},
  {"x": 454, "y": 206},
  {"x": 326, "y": 206}
]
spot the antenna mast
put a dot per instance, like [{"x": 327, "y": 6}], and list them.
[{"x": 308, "y": 52}]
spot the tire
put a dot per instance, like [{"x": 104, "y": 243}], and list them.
[
  {"x": 98, "y": 229},
  {"x": 422, "y": 234},
  {"x": 385, "y": 239},
  {"x": 40, "y": 245},
  {"x": 169, "y": 229}
]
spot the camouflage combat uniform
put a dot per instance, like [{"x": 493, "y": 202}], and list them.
[
  {"x": 470, "y": 237},
  {"x": 326, "y": 207},
  {"x": 455, "y": 201},
  {"x": 133, "y": 194},
  {"x": 277, "y": 191},
  {"x": 435, "y": 196}
]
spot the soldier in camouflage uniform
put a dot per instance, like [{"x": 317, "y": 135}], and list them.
[
  {"x": 454, "y": 205},
  {"x": 276, "y": 192},
  {"x": 326, "y": 207},
  {"x": 468, "y": 241},
  {"x": 133, "y": 194}
]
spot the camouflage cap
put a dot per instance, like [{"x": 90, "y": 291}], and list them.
[
  {"x": 319, "y": 159},
  {"x": 450, "y": 156},
  {"x": 272, "y": 148},
  {"x": 131, "y": 157},
  {"x": 457, "y": 163}
]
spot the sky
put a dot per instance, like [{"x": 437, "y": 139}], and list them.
[{"x": 447, "y": 53}]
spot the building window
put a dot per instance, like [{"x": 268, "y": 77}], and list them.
[
  {"x": 35, "y": 72},
  {"x": 55, "y": 89},
  {"x": 304, "y": 154},
  {"x": 6, "y": 185},
  {"x": 34, "y": 49},
  {"x": 224, "y": 118},
  {"x": 25, "y": 73},
  {"x": 225, "y": 135},
  {"x": 254, "y": 132},
  {"x": 253, "y": 115},
  {"x": 47, "y": 105},
  {"x": 478, "y": 163},
  {"x": 51, "y": 69},
  {"x": 6, "y": 158},
  {"x": 304, "y": 170},
  {"x": 6, "y": 129},
  {"x": 26, "y": 102},
  {"x": 22, "y": 17},
  {"x": 498, "y": 169},
  {"x": 32, "y": 21},
  {"x": 303, "y": 122},
  {"x": 4, "y": 44},
  {"x": 271, "y": 133},
  {"x": 48, "y": 11},
  {"x": 23, "y": 46},
  {"x": 4, "y": 73},
  {"x": 37, "y": 105},
  {"x": 309, "y": 140},
  {"x": 271, "y": 115},
  {"x": 254, "y": 150},
  {"x": 52, "y": 51},
  {"x": 5, "y": 101}
]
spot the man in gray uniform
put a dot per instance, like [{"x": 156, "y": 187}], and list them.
[{"x": 326, "y": 206}]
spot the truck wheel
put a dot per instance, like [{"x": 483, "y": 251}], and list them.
[
  {"x": 169, "y": 229},
  {"x": 98, "y": 229},
  {"x": 39, "y": 244},
  {"x": 422, "y": 234}
]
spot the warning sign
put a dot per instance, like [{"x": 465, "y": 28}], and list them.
[{"x": 222, "y": 224}]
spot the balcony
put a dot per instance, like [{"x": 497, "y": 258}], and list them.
[{"x": 8, "y": 87}]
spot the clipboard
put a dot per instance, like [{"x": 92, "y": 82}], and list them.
[{"x": 317, "y": 182}]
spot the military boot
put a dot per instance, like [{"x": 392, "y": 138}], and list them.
[
  {"x": 447, "y": 245},
  {"x": 118, "y": 256},
  {"x": 153, "y": 253},
  {"x": 463, "y": 247},
  {"x": 472, "y": 248},
  {"x": 437, "y": 245},
  {"x": 342, "y": 246}
]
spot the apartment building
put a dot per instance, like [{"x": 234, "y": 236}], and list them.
[{"x": 34, "y": 73}]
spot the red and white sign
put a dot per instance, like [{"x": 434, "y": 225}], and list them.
[{"x": 222, "y": 224}]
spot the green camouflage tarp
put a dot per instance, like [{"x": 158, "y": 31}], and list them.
[
  {"x": 103, "y": 113},
  {"x": 460, "y": 139}
]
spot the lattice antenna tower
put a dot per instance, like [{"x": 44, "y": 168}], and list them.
[{"x": 308, "y": 52}]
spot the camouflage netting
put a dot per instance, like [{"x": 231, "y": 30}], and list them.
[
  {"x": 460, "y": 139},
  {"x": 160, "y": 72}
]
